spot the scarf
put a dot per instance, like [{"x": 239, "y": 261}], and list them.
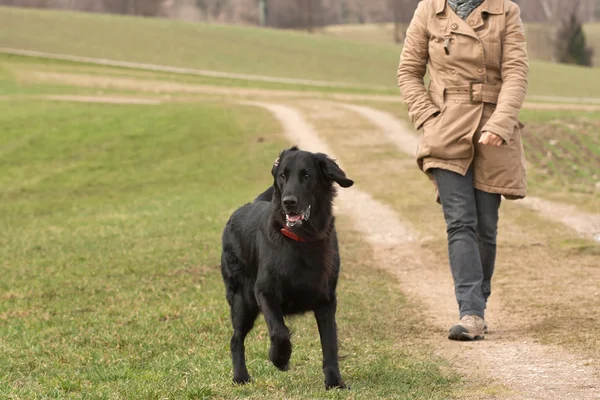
[{"x": 463, "y": 8}]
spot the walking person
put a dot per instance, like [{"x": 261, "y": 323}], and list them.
[{"x": 470, "y": 145}]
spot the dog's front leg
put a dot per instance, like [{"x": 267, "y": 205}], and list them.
[
  {"x": 281, "y": 346},
  {"x": 328, "y": 332}
]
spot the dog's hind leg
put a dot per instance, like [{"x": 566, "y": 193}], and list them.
[
  {"x": 325, "y": 317},
  {"x": 243, "y": 316},
  {"x": 281, "y": 346},
  {"x": 243, "y": 307}
]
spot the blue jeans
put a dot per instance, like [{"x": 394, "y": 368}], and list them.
[{"x": 472, "y": 225}]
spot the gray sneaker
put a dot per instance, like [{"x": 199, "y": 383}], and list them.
[{"x": 470, "y": 327}]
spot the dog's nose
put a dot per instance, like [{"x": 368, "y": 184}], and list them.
[{"x": 290, "y": 201}]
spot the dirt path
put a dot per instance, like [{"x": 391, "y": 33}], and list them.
[
  {"x": 161, "y": 86},
  {"x": 164, "y": 86},
  {"x": 102, "y": 99},
  {"x": 527, "y": 370},
  {"x": 581, "y": 100},
  {"x": 529, "y": 105},
  {"x": 586, "y": 224}
]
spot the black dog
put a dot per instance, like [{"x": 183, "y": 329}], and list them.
[{"x": 280, "y": 257}]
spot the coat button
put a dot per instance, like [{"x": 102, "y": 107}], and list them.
[
  {"x": 456, "y": 101},
  {"x": 479, "y": 70},
  {"x": 453, "y": 72},
  {"x": 471, "y": 23},
  {"x": 454, "y": 26}
]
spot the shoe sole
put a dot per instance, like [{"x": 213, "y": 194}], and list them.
[{"x": 465, "y": 337}]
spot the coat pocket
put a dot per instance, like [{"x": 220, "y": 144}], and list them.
[{"x": 450, "y": 136}]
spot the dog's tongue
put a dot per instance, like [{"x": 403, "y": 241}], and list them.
[{"x": 294, "y": 218}]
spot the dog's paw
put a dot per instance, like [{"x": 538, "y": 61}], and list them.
[
  {"x": 333, "y": 380},
  {"x": 337, "y": 385},
  {"x": 242, "y": 379},
  {"x": 281, "y": 352}
]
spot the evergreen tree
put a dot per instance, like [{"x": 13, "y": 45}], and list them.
[{"x": 570, "y": 44}]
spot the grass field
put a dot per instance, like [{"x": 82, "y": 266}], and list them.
[
  {"x": 111, "y": 215},
  {"x": 21, "y": 69},
  {"x": 563, "y": 149},
  {"x": 242, "y": 50},
  {"x": 111, "y": 218},
  {"x": 539, "y": 37},
  {"x": 214, "y": 47}
]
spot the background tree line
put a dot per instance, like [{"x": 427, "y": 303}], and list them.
[{"x": 299, "y": 13}]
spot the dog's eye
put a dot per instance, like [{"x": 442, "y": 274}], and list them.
[
  {"x": 282, "y": 176},
  {"x": 306, "y": 176}
]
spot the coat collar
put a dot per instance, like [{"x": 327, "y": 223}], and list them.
[{"x": 488, "y": 6}]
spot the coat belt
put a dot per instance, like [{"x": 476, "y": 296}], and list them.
[{"x": 475, "y": 92}]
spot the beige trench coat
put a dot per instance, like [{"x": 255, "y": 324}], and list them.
[{"x": 478, "y": 78}]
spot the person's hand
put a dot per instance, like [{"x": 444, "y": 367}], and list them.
[
  {"x": 431, "y": 118},
  {"x": 491, "y": 139}
]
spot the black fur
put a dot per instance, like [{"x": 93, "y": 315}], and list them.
[{"x": 265, "y": 271}]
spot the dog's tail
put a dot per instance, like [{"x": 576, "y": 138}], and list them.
[{"x": 267, "y": 195}]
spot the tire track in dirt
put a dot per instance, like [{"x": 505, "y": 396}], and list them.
[
  {"x": 528, "y": 370},
  {"x": 173, "y": 87},
  {"x": 586, "y": 224},
  {"x": 102, "y": 99},
  {"x": 178, "y": 87}
]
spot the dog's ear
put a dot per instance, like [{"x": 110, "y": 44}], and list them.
[
  {"x": 276, "y": 166},
  {"x": 278, "y": 160},
  {"x": 332, "y": 171}
]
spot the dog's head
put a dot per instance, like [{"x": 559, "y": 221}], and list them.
[{"x": 302, "y": 179}]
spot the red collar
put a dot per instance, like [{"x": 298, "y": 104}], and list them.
[{"x": 292, "y": 235}]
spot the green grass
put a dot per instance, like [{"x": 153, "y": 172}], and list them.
[
  {"x": 242, "y": 50},
  {"x": 548, "y": 79},
  {"x": 539, "y": 37},
  {"x": 563, "y": 149},
  {"x": 214, "y": 47},
  {"x": 14, "y": 80},
  {"x": 110, "y": 226},
  {"x": 16, "y": 73},
  {"x": 363, "y": 33}
]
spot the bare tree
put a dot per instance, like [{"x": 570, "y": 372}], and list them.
[
  {"x": 396, "y": 12},
  {"x": 552, "y": 11},
  {"x": 549, "y": 7},
  {"x": 402, "y": 12},
  {"x": 263, "y": 12}
]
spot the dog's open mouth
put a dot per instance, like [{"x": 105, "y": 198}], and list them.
[{"x": 292, "y": 219}]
